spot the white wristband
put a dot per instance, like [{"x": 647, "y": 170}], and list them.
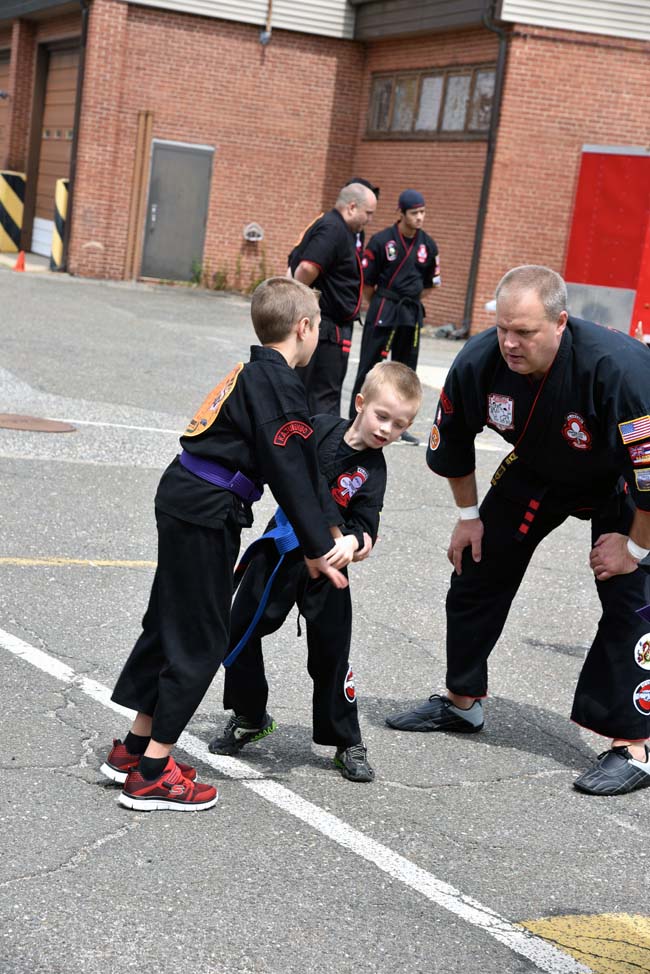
[
  {"x": 468, "y": 513},
  {"x": 637, "y": 552}
]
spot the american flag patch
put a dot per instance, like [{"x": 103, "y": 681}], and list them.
[
  {"x": 640, "y": 453},
  {"x": 635, "y": 429}
]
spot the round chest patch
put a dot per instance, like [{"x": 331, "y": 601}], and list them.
[
  {"x": 642, "y": 698},
  {"x": 642, "y": 652}
]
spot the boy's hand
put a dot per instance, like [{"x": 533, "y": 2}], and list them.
[
  {"x": 321, "y": 566},
  {"x": 343, "y": 551},
  {"x": 363, "y": 553}
]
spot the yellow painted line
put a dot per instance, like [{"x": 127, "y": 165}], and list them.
[
  {"x": 87, "y": 562},
  {"x": 609, "y": 943}
]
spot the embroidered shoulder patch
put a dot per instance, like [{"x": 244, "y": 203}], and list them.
[
  {"x": 635, "y": 429},
  {"x": 575, "y": 432},
  {"x": 294, "y": 428},
  {"x": 434, "y": 438},
  {"x": 642, "y": 478},
  {"x": 640, "y": 453},
  {"x": 211, "y": 407},
  {"x": 446, "y": 403}
]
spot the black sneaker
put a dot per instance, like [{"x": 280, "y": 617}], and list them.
[
  {"x": 439, "y": 714},
  {"x": 615, "y": 772},
  {"x": 240, "y": 731},
  {"x": 407, "y": 437},
  {"x": 352, "y": 762}
]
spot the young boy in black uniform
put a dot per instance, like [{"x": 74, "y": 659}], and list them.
[
  {"x": 399, "y": 264},
  {"x": 252, "y": 429},
  {"x": 352, "y": 462}
]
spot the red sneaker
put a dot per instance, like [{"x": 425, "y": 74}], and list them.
[
  {"x": 120, "y": 761},
  {"x": 171, "y": 790}
]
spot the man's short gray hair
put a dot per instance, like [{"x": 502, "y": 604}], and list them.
[
  {"x": 548, "y": 285},
  {"x": 354, "y": 193}
]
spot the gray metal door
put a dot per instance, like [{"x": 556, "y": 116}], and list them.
[{"x": 177, "y": 209}]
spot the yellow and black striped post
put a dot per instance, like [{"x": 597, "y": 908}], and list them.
[
  {"x": 12, "y": 199},
  {"x": 60, "y": 212}
]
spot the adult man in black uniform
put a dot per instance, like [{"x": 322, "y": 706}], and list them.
[
  {"x": 573, "y": 398},
  {"x": 399, "y": 264},
  {"x": 327, "y": 259}
]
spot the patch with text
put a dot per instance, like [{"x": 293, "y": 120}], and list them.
[
  {"x": 293, "y": 428},
  {"x": 501, "y": 411},
  {"x": 575, "y": 432}
]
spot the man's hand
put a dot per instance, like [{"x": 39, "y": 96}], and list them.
[
  {"x": 466, "y": 534},
  {"x": 363, "y": 553},
  {"x": 321, "y": 566},
  {"x": 609, "y": 557}
]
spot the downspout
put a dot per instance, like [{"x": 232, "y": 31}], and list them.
[
  {"x": 489, "y": 23},
  {"x": 85, "y": 6}
]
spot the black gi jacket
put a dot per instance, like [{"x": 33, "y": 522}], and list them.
[
  {"x": 332, "y": 248},
  {"x": 255, "y": 421},
  {"x": 405, "y": 266},
  {"x": 575, "y": 433},
  {"x": 356, "y": 478}
]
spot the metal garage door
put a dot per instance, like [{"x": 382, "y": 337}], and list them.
[
  {"x": 56, "y": 142},
  {"x": 4, "y": 105}
]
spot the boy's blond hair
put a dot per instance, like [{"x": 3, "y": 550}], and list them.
[
  {"x": 278, "y": 304},
  {"x": 398, "y": 376}
]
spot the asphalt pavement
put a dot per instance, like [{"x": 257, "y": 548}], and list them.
[{"x": 466, "y": 853}]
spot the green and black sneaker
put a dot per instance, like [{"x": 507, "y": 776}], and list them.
[
  {"x": 240, "y": 731},
  {"x": 352, "y": 762}
]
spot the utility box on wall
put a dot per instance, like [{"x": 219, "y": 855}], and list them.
[{"x": 608, "y": 261}]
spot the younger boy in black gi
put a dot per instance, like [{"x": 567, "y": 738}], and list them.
[
  {"x": 352, "y": 462},
  {"x": 399, "y": 264},
  {"x": 252, "y": 429}
]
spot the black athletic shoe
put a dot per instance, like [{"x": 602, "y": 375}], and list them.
[
  {"x": 439, "y": 714},
  {"x": 615, "y": 772},
  {"x": 240, "y": 731},
  {"x": 407, "y": 437},
  {"x": 353, "y": 763}
]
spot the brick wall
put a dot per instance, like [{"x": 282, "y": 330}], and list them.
[
  {"x": 448, "y": 173},
  {"x": 283, "y": 120},
  {"x": 562, "y": 90}
]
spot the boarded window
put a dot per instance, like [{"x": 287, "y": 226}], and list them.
[{"x": 453, "y": 103}]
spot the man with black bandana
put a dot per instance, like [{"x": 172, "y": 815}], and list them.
[
  {"x": 327, "y": 259},
  {"x": 573, "y": 399},
  {"x": 400, "y": 263}
]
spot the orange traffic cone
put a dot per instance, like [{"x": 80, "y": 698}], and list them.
[{"x": 20, "y": 263}]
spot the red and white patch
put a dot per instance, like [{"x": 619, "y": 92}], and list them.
[
  {"x": 347, "y": 485},
  {"x": 640, "y": 453},
  {"x": 294, "y": 428},
  {"x": 642, "y": 652},
  {"x": 575, "y": 432},
  {"x": 422, "y": 254},
  {"x": 446, "y": 403},
  {"x": 642, "y": 698},
  {"x": 391, "y": 250},
  {"x": 349, "y": 689},
  {"x": 501, "y": 411},
  {"x": 434, "y": 438}
]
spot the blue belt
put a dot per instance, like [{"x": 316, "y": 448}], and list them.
[
  {"x": 285, "y": 541},
  {"x": 237, "y": 483}
]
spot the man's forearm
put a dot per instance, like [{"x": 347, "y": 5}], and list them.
[
  {"x": 640, "y": 530},
  {"x": 306, "y": 273},
  {"x": 464, "y": 490}
]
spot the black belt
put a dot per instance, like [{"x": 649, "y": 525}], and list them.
[{"x": 400, "y": 301}]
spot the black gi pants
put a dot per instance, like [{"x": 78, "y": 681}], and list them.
[
  {"x": 186, "y": 626},
  {"x": 479, "y": 600},
  {"x": 328, "y": 617},
  {"x": 403, "y": 344},
  {"x": 323, "y": 377}
]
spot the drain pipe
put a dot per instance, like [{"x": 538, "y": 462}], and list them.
[
  {"x": 85, "y": 7},
  {"x": 489, "y": 23}
]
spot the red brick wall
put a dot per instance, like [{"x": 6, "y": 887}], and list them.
[
  {"x": 283, "y": 120},
  {"x": 562, "y": 90},
  {"x": 448, "y": 173}
]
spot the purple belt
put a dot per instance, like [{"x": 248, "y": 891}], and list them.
[{"x": 237, "y": 483}]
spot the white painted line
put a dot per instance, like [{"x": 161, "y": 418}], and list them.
[{"x": 542, "y": 954}]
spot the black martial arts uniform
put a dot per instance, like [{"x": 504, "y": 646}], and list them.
[
  {"x": 401, "y": 268},
  {"x": 332, "y": 248},
  {"x": 357, "y": 482},
  {"x": 581, "y": 447},
  {"x": 255, "y": 422}
]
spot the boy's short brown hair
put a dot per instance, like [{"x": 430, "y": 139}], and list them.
[
  {"x": 278, "y": 303},
  {"x": 399, "y": 377}
]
